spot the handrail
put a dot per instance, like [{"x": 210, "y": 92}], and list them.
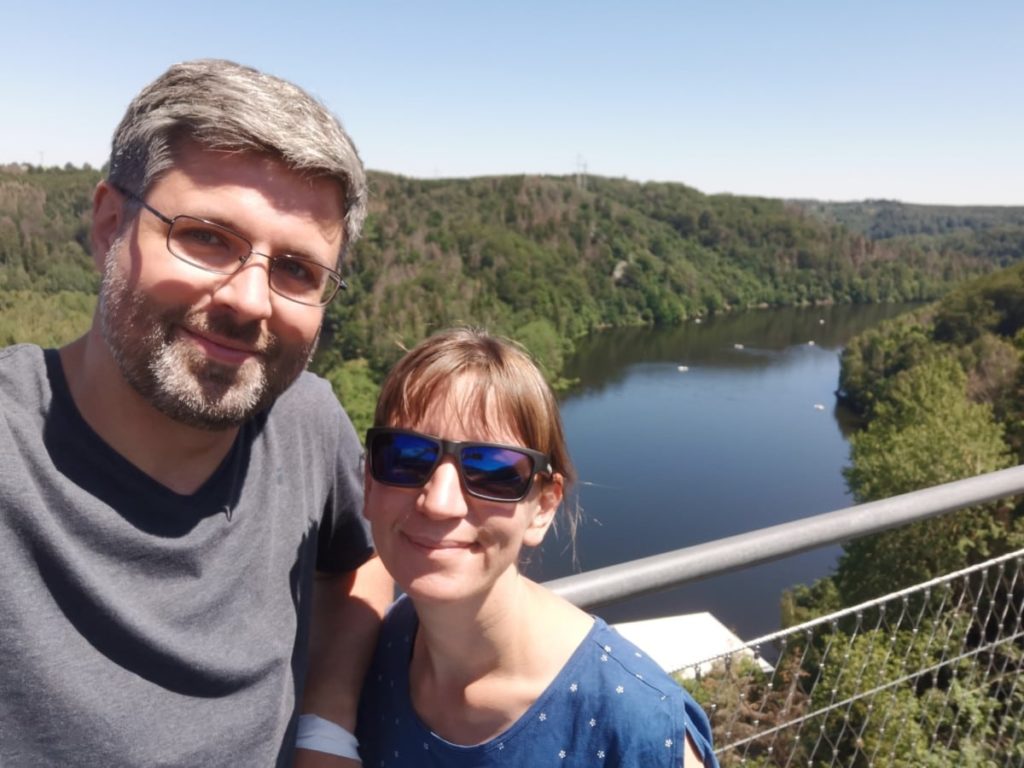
[{"x": 651, "y": 574}]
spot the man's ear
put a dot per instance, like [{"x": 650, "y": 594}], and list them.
[
  {"x": 107, "y": 221},
  {"x": 548, "y": 502}
]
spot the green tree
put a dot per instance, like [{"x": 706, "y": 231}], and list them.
[
  {"x": 46, "y": 319},
  {"x": 544, "y": 344},
  {"x": 925, "y": 433},
  {"x": 357, "y": 389},
  {"x": 881, "y": 712}
]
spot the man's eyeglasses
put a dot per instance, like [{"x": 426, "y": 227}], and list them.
[
  {"x": 489, "y": 471},
  {"x": 214, "y": 248}
]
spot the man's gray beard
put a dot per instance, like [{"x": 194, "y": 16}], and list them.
[{"x": 174, "y": 376}]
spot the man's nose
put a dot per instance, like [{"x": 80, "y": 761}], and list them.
[
  {"x": 247, "y": 291},
  {"x": 442, "y": 496}
]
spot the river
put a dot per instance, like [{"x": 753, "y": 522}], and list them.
[{"x": 688, "y": 434}]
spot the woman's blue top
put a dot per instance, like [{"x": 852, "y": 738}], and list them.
[{"x": 609, "y": 706}]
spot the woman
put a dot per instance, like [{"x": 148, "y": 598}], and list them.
[{"x": 477, "y": 665}]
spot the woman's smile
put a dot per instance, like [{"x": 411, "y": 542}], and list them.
[{"x": 440, "y": 547}]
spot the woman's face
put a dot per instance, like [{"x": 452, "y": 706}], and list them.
[{"x": 440, "y": 543}]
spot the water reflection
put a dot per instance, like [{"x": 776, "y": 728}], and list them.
[
  {"x": 747, "y": 436},
  {"x": 604, "y": 358}
]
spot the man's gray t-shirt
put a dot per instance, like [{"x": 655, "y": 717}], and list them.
[{"x": 139, "y": 627}]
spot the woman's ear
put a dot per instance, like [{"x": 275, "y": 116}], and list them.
[{"x": 548, "y": 502}]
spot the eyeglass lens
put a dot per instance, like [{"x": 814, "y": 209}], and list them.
[
  {"x": 218, "y": 249},
  {"x": 488, "y": 471}
]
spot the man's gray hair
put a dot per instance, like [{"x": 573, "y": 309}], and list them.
[{"x": 222, "y": 105}]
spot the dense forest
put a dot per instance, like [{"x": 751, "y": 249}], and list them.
[
  {"x": 545, "y": 260},
  {"x": 887, "y": 219},
  {"x": 941, "y": 392},
  {"x": 549, "y": 259}
]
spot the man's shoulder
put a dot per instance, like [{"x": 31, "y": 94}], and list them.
[
  {"x": 309, "y": 410},
  {"x": 308, "y": 404},
  {"x": 23, "y": 377},
  {"x": 18, "y": 357},
  {"x": 307, "y": 391}
]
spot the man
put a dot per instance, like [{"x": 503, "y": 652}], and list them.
[{"x": 170, "y": 481}]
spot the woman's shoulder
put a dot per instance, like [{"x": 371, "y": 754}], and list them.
[
  {"x": 390, "y": 661},
  {"x": 399, "y": 624},
  {"x": 636, "y": 698},
  {"x": 615, "y": 670}
]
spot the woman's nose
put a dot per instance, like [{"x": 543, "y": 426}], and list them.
[{"x": 442, "y": 495}]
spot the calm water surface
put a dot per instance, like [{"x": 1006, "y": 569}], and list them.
[{"x": 670, "y": 458}]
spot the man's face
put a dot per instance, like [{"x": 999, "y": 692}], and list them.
[{"x": 206, "y": 349}]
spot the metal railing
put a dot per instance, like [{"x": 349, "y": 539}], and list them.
[
  {"x": 925, "y": 676},
  {"x": 671, "y": 569}
]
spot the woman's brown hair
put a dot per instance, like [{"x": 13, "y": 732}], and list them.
[{"x": 496, "y": 376}]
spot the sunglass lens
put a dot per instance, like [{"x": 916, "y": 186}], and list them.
[
  {"x": 496, "y": 473},
  {"x": 400, "y": 459}
]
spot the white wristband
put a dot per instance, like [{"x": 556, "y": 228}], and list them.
[{"x": 324, "y": 736}]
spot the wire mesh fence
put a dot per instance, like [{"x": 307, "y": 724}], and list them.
[{"x": 927, "y": 676}]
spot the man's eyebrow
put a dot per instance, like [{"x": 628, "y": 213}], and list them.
[
  {"x": 214, "y": 218},
  {"x": 232, "y": 227}
]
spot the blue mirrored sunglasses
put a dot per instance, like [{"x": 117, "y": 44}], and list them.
[{"x": 491, "y": 471}]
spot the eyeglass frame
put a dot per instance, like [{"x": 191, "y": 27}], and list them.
[
  {"x": 541, "y": 462},
  {"x": 339, "y": 282}
]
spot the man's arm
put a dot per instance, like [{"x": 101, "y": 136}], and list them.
[{"x": 347, "y": 609}]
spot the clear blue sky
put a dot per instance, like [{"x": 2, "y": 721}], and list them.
[{"x": 917, "y": 101}]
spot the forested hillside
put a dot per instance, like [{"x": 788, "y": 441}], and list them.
[
  {"x": 930, "y": 678},
  {"x": 44, "y": 229},
  {"x": 942, "y": 393},
  {"x": 543, "y": 259},
  {"x": 548, "y": 260},
  {"x": 991, "y": 232},
  {"x": 882, "y": 219}
]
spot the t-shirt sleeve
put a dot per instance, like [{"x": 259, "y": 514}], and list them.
[
  {"x": 343, "y": 540},
  {"x": 698, "y": 728}
]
